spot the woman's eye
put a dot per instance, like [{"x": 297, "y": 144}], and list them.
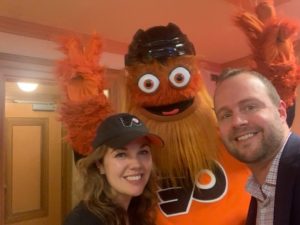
[
  {"x": 120, "y": 155},
  {"x": 145, "y": 152},
  {"x": 180, "y": 77},
  {"x": 148, "y": 83}
]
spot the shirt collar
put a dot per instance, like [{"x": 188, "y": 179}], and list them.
[{"x": 253, "y": 187}]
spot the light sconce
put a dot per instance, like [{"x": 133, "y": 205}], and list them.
[{"x": 27, "y": 87}]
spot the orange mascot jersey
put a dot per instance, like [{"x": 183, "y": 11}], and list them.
[{"x": 226, "y": 204}]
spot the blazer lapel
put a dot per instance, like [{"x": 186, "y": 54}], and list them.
[
  {"x": 251, "y": 217},
  {"x": 285, "y": 182}
]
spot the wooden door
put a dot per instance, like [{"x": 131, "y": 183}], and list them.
[{"x": 33, "y": 171}]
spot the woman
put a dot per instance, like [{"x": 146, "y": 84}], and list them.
[{"x": 118, "y": 185}]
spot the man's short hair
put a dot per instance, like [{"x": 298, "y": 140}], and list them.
[{"x": 231, "y": 72}]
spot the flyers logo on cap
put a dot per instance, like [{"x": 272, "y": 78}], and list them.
[{"x": 128, "y": 121}]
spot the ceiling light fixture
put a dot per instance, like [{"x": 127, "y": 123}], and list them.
[{"x": 27, "y": 87}]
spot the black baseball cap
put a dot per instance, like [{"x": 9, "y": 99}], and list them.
[{"x": 119, "y": 129}]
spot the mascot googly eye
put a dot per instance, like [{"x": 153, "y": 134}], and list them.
[
  {"x": 148, "y": 83},
  {"x": 180, "y": 77}
]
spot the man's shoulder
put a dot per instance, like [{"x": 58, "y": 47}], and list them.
[
  {"x": 295, "y": 136},
  {"x": 293, "y": 142},
  {"x": 291, "y": 155}
]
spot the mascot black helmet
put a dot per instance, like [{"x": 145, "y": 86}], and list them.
[{"x": 159, "y": 43}]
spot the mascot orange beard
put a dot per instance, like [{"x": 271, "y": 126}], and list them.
[{"x": 166, "y": 91}]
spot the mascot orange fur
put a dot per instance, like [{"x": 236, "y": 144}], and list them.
[
  {"x": 200, "y": 182},
  {"x": 272, "y": 43}
]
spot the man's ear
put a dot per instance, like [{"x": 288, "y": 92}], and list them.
[
  {"x": 282, "y": 110},
  {"x": 100, "y": 167}
]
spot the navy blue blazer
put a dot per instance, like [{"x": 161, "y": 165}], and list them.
[{"x": 287, "y": 194}]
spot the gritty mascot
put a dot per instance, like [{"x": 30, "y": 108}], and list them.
[{"x": 199, "y": 182}]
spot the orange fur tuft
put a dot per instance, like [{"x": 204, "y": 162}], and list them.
[
  {"x": 81, "y": 78},
  {"x": 272, "y": 44}
]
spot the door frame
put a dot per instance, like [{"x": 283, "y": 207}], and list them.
[
  {"x": 2, "y": 152},
  {"x": 66, "y": 178}
]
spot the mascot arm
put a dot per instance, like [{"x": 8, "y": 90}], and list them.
[
  {"x": 250, "y": 25},
  {"x": 84, "y": 105},
  {"x": 271, "y": 41},
  {"x": 275, "y": 57}
]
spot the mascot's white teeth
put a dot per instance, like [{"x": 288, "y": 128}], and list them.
[
  {"x": 133, "y": 178},
  {"x": 245, "y": 137}
]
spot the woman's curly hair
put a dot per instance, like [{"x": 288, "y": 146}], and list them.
[{"x": 97, "y": 195}]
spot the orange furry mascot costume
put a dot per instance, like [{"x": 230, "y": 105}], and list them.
[
  {"x": 271, "y": 41},
  {"x": 200, "y": 182}
]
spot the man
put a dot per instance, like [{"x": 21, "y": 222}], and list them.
[{"x": 252, "y": 123}]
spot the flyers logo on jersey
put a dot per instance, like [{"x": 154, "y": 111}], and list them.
[{"x": 209, "y": 187}]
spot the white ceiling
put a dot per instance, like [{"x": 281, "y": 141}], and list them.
[{"x": 208, "y": 23}]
